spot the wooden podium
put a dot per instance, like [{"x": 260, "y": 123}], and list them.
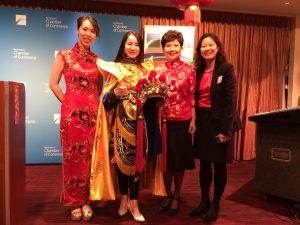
[
  {"x": 278, "y": 153},
  {"x": 12, "y": 153}
]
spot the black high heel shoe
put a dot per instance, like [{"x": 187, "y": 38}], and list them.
[
  {"x": 213, "y": 213},
  {"x": 165, "y": 204},
  {"x": 173, "y": 211},
  {"x": 203, "y": 207}
]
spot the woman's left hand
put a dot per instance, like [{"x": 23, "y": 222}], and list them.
[
  {"x": 223, "y": 138},
  {"x": 121, "y": 91}
]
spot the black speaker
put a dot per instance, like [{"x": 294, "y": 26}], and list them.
[{"x": 278, "y": 153}]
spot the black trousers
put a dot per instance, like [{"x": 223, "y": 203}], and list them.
[{"x": 131, "y": 183}]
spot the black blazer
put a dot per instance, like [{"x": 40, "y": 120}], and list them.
[{"x": 223, "y": 97}]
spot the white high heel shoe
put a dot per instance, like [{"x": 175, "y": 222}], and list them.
[
  {"x": 123, "y": 212},
  {"x": 139, "y": 218}
]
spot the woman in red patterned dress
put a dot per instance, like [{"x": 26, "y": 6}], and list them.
[{"x": 78, "y": 115}]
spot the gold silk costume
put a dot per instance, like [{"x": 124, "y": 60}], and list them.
[{"x": 116, "y": 129}]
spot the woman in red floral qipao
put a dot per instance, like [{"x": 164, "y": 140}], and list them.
[
  {"x": 179, "y": 113},
  {"x": 78, "y": 115}
]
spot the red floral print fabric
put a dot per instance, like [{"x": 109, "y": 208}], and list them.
[{"x": 77, "y": 124}]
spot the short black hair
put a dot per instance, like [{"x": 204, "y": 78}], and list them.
[{"x": 171, "y": 35}]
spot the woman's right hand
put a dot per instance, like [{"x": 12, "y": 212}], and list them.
[{"x": 121, "y": 91}]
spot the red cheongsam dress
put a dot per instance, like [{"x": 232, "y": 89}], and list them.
[{"x": 77, "y": 123}]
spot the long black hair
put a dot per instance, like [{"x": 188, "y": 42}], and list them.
[
  {"x": 121, "y": 57},
  {"x": 220, "y": 57}
]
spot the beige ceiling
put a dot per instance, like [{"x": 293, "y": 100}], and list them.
[{"x": 265, "y": 7}]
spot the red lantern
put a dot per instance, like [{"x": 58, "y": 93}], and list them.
[{"x": 191, "y": 8}]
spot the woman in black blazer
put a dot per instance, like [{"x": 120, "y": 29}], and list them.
[{"x": 215, "y": 98}]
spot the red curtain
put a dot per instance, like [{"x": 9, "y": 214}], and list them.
[{"x": 258, "y": 47}]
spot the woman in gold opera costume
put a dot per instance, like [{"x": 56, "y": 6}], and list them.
[{"x": 121, "y": 155}]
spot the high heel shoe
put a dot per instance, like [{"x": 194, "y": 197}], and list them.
[
  {"x": 87, "y": 213},
  {"x": 213, "y": 213},
  {"x": 122, "y": 212},
  {"x": 139, "y": 218},
  {"x": 123, "y": 209},
  {"x": 173, "y": 211},
  {"x": 203, "y": 207},
  {"x": 165, "y": 204},
  {"x": 76, "y": 213}
]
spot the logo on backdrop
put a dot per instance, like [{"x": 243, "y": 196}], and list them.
[
  {"x": 120, "y": 27},
  {"x": 20, "y": 20},
  {"x": 28, "y": 120},
  {"x": 22, "y": 54},
  {"x": 51, "y": 151},
  {"x": 52, "y": 22},
  {"x": 56, "y": 118}
]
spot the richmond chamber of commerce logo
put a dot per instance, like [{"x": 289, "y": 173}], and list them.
[
  {"x": 119, "y": 27},
  {"x": 22, "y": 54},
  {"x": 55, "y": 23},
  {"x": 50, "y": 151},
  {"x": 20, "y": 20}
]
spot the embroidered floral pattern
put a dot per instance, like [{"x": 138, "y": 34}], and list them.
[
  {"x": 79, "y": 186},
  {"x": 79, "y": 152},
  {"x": 181, "y": 80}
]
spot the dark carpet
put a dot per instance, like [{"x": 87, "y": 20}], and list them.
[{"x": 240, "y": 204}]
